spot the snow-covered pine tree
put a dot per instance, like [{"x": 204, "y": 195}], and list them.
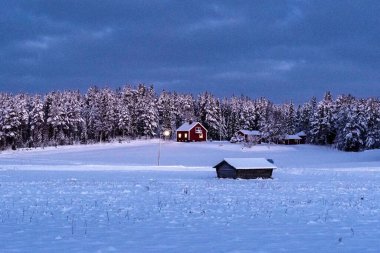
[
  {"x": 233, "y": 116},
  {"x": 99, "y": 114},
  {"x": 57, "y": 120},
  {"x": 225, "y": 110},
  {"x": 168, "y": 112},
  {"x": 88, "y": 114},
  {"x": 298, "y": 122},
  {"x": 11, "y": 121},
  {"x": 124, "y": 116},
  {"x": 210, "y": 116},
  {"x": 146, "y": 108},
  {"x": 351, "y": 137},
  {"x": 3, "y": 105},
  {"x": 289, "y": 118},
  {"x": 185, "y": 105},
  {"x": 305, "y": 113},
  {"x": 341, "y": 108},
  {"x": 322, "y": 131},
  {"x": 372, "y": 112},
  {"x": 105, "y": 120},
  {"x": 109, "y": 113},
  {"x": 262, "y": 110},
  {"x": 22, "y": 105},
  {"x": 73, "y": 107},
  {"x": 247, "y": 117},
  {"x": 36, "y": 116},
  {"x": 274, "y": 130}
]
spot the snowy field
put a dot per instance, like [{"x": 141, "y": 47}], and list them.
[{"x": 114, "y": 198}]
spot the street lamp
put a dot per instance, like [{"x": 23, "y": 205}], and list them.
[{"x": 166, "y": 134}]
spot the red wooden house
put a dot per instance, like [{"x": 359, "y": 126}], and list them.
[{"x": 191, "y": 131}]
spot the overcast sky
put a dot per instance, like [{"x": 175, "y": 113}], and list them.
[{"x": 279, "y": 49}]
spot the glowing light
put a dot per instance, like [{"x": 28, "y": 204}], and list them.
[{"x": 166, "y": 133}]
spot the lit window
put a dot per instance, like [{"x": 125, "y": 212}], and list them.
[
  {"x": 179, "y": 135},
  {"x": 200, "y": 136},
  {"x": 185, "y": 135}
]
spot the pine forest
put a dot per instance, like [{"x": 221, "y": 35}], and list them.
[{"x": 102, "y": 114}]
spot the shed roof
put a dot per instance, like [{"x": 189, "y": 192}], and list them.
[
  {"x": 248, "y": 163},
  {"x": 188, "y": 126},
  {"x": 301, "y": 134},
  {"x": 292, "y": 137},
  {"x": 249, "y": 132}
]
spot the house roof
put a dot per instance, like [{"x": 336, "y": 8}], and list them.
[
  {"x": 248, "y": 163},
  {"x": 249, "y": 132},
  {"x": 187, "y": 126},
  {"x": 301, "y": 134},
  {"x": 292, "y": 137}
]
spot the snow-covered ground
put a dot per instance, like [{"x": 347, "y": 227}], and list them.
[
  {"x": 114, "y": 197},
  {"x": 124, "y": 156}
]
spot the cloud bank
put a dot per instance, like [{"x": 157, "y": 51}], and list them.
[{"x": 279, "y": 49}]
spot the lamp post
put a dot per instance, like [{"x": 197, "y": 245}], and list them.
[{"x": 166, "y": 134}]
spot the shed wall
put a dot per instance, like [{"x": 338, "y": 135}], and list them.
[
  {"x": 226, "y": 171},
  {"x": 254, "y": 173},
  {"x": 292, "y": 142}
]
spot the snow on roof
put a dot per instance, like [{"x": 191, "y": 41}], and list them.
[
  {"x": 248, "y": 132},
  {"x": 292, "y": 137},
  {"x": 301, "y": 134},
  {"x": 187, "y": 126},
  {"x": 250, "y": 163}
]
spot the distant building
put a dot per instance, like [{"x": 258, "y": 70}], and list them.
[
  {"x": 292, "y": 139},
  {"x": 247, "y": 136},
  {"x": 303, "y": 136},
  {"x": 246, "y": 168},
  {"x": 191, "y": 131}
]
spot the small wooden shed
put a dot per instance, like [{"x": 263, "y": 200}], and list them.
[
  {"x": 292, "y": 139},
  {"x": 246, "y": 168},
  {"x": 248, "y": 136}
]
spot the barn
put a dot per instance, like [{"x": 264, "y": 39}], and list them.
[
  {"x": 292, "y": 139},
  {"x": 191, "y": 131},
  {"x": 246, "y": 168}
]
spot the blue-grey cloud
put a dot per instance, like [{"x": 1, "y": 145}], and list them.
[{"x": 280, "y": 49}]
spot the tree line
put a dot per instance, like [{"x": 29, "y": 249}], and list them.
[{"x": 103, "y": 114}]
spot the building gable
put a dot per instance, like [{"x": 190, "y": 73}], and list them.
[{"x": 189, "y": 126}]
